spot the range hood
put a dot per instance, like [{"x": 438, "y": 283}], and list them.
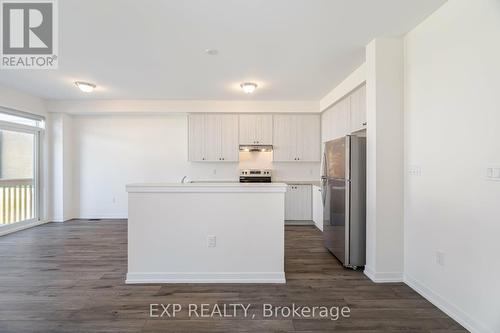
[{"x": 256, "y": 148}]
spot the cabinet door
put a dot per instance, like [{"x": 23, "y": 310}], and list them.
[
  {"x": 289, "y": 203},
  {"x": 256, "y": 129},
  {"x": 298, "y": 203},
  {"x": 317, "y": 204},
  {"x": 303, "y": 202},
  {"x": 229, "y": 138},
  {"x": 213, "y": 137},
  {"x": 247, "y": 129},
  {"x": 358, "y": 109},
  {"x": 308, "y": 138},
  {"x": 284, "y": 138},
  {"x": 326, "y": 125},
  {"x": 340, "y": 118},
  {"x": 196, "y": 137},
  {"x": 264, "y": 129}
]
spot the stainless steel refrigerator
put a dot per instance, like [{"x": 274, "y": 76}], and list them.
[{"x": 344, "y": 199}]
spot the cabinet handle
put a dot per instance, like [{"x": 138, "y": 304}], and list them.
[{"x": 203, "y": 158}]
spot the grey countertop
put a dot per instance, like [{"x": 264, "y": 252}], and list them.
[{"x": 289, "y": 182}]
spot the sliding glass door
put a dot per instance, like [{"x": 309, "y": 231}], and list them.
[{"x": 19, "y": 174}]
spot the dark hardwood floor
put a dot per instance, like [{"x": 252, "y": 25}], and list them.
[{"x": 70, "y": 278}]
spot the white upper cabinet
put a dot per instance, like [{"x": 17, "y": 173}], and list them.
[
  {"x": 284, "y": 138},
  {"x": 229, "y": 138},
  {"x": 213, "y": 138},
  {"x": 196, "y": 137},
  {"x": 216, "y": 137},
  {"x": 296, "y": 138},
  {"x": 308, "y": 138},
  {"x": 256, "y": 129},
  {"x": 358, "y": 109},
  {"x": 340, "y": 118},
  {"x": 346, "y": 116}
]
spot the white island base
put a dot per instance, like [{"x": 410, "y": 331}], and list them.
[{"x": 171, "y": 229}]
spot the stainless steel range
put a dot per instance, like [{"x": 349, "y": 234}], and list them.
[{"x": 255, "y": 176}]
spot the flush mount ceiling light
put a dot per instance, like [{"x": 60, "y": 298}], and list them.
[
  {"x": 211, "y": 52},
  {"x": 85, "y": 86},
  {"x": 248, "y": 87}
]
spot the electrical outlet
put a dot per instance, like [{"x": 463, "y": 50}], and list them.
[
  {"x": 440, "y": 258},
  {"x": 211, "y": 241},
  {"x": 414, "y": 170},
  {"x": 493, "y": 173}
]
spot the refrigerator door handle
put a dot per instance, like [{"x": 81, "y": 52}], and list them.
[
  {"x": 348, "y": 157},
  {"x": 324, "y": 179},
  {"x": 347, "y": 261}
]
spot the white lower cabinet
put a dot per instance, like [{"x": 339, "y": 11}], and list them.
[
  {"x": 317, "y": 207},
  {"x": 298, "y": 203}
]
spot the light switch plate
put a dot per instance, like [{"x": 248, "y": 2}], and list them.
[
  {"x": 414, "y": 170},
  {"x": 211, "y": 241},
  {"x": 493, "y": 173},
  {"x": 440, "y": 258}
]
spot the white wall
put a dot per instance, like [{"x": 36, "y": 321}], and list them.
[
  {"x": 112, "y": 151},
  {"x": 62, "y": 167},
  {"x": 384, "y": 160},
  {"x": 17, "y": 100},
  {"x": 179, "y": 106},
  {"x": 452, "y": 133},
  {"x": 354, "y": 80}
]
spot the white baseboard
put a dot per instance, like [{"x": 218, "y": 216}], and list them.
[
  {"x": 447, "y": 307},
  {"x": 217, "y": 277},
  {"x": 102, "y": 217},
  {"x": 8, "y": 229},
  {"x": 383, "y": 277}
]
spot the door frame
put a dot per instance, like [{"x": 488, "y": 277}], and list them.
[{"x": 39, "y": 205}]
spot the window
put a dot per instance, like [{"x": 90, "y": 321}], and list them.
[
  {"x": 19, "y": 168},
  {"x": 33, "y": 121}
]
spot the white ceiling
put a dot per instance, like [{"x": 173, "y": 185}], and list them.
[{"x": 294, "y": 49}]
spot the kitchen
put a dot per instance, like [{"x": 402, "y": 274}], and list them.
[
  {"x": 260, "y": 141},
  {"x": 279, "y": 155}
]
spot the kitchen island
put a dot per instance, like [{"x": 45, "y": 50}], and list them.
[{"x": 206, "y": 233}]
